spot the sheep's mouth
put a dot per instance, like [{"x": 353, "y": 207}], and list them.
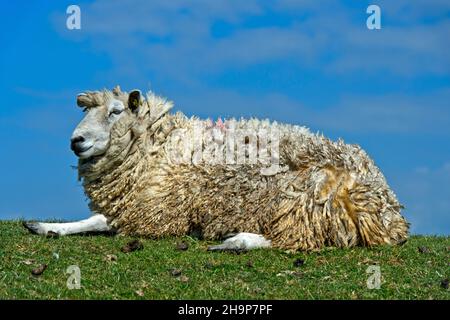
[
  {"x": 79, "y": 152},
  {"x": 88, "y": 160}
]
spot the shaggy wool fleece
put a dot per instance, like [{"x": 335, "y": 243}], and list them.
[{"x": 325, "y": 193}]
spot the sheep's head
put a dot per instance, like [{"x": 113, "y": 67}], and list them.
[
  {"x": 112, "y": 120},
  {"x": 104, "y": 112}
]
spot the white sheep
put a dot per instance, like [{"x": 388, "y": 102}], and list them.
[{"x": 151, "y": 173}]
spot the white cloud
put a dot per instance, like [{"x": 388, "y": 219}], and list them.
[
  {"x": 425, "y": 194},
  {"x": 172, "y": 40},
  {"x": 174, "y": 37},
  {"x": 397, "y": 113},
  {"x": 406, "y": 51}
]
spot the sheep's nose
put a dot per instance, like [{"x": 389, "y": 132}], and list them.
[{"x": 75, "y": 143}]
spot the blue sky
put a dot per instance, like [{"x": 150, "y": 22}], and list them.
[{"x": 312, "y": 63}]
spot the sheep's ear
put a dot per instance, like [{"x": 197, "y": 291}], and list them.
[
  {"x": 84, "y": 100},
  {"x": 134, "y": 100}
]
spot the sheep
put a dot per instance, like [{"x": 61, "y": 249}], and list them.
[{"x": 148, "y": 172}]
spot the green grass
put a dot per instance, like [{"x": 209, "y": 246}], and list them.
[{"x": 260, "y": 274}]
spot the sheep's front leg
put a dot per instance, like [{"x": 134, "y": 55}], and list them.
[
  {"x": 96, "y": 223},
  {"x": 242, "y": 241}
]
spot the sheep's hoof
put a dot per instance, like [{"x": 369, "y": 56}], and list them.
[
  {"x": 242, "y": 242},
  {"x": 33, "y": 227}
]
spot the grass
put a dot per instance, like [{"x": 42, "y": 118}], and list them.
[{"x": 407, "y": 273}]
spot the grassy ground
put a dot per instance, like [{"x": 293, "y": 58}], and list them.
[{"x": 415, "y": 270}]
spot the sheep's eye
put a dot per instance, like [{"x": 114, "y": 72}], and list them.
[
  {"x": 116, "y": 111},
  {"x": 85, "y": 109}
]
